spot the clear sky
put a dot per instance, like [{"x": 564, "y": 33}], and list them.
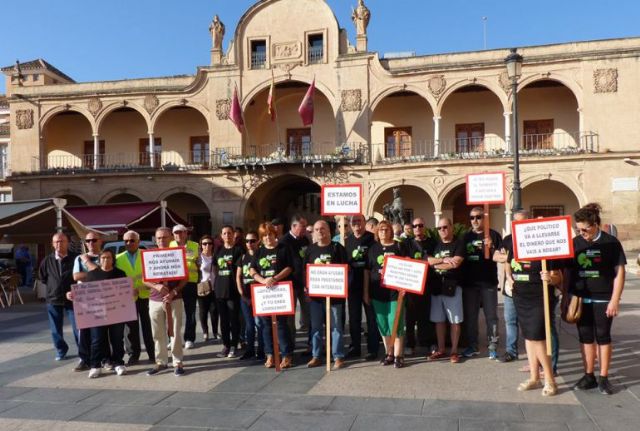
[{"x": 98, "y": 40}]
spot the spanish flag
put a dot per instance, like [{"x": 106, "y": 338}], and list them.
[
  {"x": 306, "y": 107},
  {"x": 271, "y": 108}
]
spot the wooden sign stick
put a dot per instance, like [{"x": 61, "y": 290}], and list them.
[
  {"x": 396, "y": 320},
  {"x": 487, "y": 232},
  {"x": 328, "y": 336},
  {"x": 276, "y": 345},
  {"x": 547, "y": 312}
]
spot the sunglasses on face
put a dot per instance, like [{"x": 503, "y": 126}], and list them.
[
  {"x": 90, "y": 240},
  {"x": 128, "y": 241},
  {"x": 443, "y": 227},
  {"x": 475, "y": 217},
  {"x": 417, "y": 225},
  {"x": 251, "y": 241},
  {"x": 207, "y": 243},
  {"x": 584, "y": 230}
]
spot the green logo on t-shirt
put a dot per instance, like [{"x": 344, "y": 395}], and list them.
[{"x": 584, "y": 261}]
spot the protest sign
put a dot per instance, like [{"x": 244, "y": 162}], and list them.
[
  {"x": 272, "y": 301},
  {"x": 164, "y": 264},
  {"x": 485, "y": 188},
  {"x": 544, "y": 238},
  {"x": 327, "y": 280},
  {"x": 341, "y": 199},
  {"x": 401, "y": 273},
  {"x": 105, "y": 302}
]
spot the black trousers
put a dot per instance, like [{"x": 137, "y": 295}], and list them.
[
  {"x": 132, "y": 331},
  {"x": 189, "y": 299},
  {"x": 356, "y": 305},
  {"x": 229, "y": 311},
  {"x": 207, "y": 309},
  {"x": 418, "y": 315}
]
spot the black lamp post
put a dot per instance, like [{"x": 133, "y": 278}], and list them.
[{"x": 514, "y": 71}]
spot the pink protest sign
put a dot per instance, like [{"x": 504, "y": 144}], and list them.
[{"x": 105, "y": 302}]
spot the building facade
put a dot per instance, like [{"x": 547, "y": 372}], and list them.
[{"x": 420, "y": 123}]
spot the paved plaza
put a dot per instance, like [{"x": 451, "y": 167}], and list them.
[{"x": 37, "y": 393}]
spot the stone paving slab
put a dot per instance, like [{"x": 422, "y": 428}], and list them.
[
  {"x": 404, "y": 423},
  {"x": 210, "y": 418},
  {"x": 478, "y": 425},
  {"x": 18, "y": 350},
  {"x": 473, "y": 410},
  {"x": 285, "y": 402},
  {"x": 553, "y": 413},
  {"x": 54, "y": 395},
  {"x": 246, "y": 382},
  {"x": 50, "y": 425},
  {"x": 8, "y": 393},
  {"x": 295, "y": 421},
  {"x": 6, "y": 405},
  {"x": 46, "y": 410},
  {"x": 207, "y": 400},
  {"x": 127, "y": 397},
  {"x": 378, "y": 406},
  {"x": 127, "y": 414}
]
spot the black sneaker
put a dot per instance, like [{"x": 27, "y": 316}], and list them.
[
  {"x": 82, "y": 366},
  {"x": 179, "y": 371},
  {"x": 224, "y": 353},
  {"x": 508, "y": 357},
  {"x": 353, "y": 353},
  {"x": 604, "y": 386},
  {"x": 156, "y": 369},
  {"x": 588, "y": 381},
  {"x": 248, "y": 354},
  {"x": 371, "y": 357},
  {"x": 133, "y": 360}
]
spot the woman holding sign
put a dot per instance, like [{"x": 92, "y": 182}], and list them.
[
  {"x": 272, "y": 264},
  {"x": 383, "y": 300},
  {"x": 597, "y": 276}
]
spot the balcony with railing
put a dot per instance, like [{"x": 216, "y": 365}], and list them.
[
  {"x": 316, "y": 54},
  {"x": 544, "y": 144},
  {"x": 258, "y": 60}
]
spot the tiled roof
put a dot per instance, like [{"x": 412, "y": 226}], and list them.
[{"x": 38, "y": 64}]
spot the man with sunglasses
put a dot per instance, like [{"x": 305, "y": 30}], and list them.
[
  {"x": 420, "y": 246},
  {"x": 81, "y": 266},
  {"x": 481, "y": 284},
  {"x": 130, "y": 262}
]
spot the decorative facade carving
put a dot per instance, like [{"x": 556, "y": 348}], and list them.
[
  {"x": 329, "y": 175},
  {"x": 24, "y": 118},
  {"x": 351, "y": 100},
  {"x": 287, "y": 51},
  {"x": 605, "y": 80},
  {"x": 151, "y": 102},
  {"x": 223, "y": 107},
  {"x": 223, "y": 194},
  {"x": 438, "y": 182},
  {"x": 505, "y": 82},
  {"x": 94, "y": 105},
  {"x": 437, "y": 85}
]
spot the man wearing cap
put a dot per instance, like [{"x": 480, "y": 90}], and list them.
[
  {"x": 130, "y": 262},
  {"x": 190, "y": 291},
  {"x": 279, "y": 225}
]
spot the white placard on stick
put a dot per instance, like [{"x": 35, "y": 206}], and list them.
[
  {"x": 341, "y": 199},
  {"x": 328, "y": 280},
  {"x": 104, "y": 302},
  {"x": 543, "y": 238},
  {"x": 164, "y": 264},
  {"x": 272, "y": 301},
  {"x": 402, "y": 273},
  {"x": 486, "y": 188}
]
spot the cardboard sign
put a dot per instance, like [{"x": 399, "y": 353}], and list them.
[
  {"x": 544, "y": 238},
  {"x": 105, "y": 302},
  {"x": 164, "y": 264},
  {"x": 402, "y": 273},
  {"x": 343, "y": 199},
  {"x": 487, "y": 188},
  {"x": 328, "y": 280},
  {"x": 273, "y": 301}
]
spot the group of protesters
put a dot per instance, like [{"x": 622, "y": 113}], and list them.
[{"x": 462, "y": 279}]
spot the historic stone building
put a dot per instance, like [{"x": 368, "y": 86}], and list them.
[{"x": 420, "y": 123}]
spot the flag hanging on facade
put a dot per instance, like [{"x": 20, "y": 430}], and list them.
[
  {"x": 235, "y": 113},
  {"x": 271, "y": 100},
  {"x": 306, "y": 107}
]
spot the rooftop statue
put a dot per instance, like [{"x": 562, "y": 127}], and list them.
[
  {"x": 361, "y": 16},
  {"x": 217, "y": 32}
]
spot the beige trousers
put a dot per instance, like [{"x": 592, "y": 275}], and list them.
[{"x": 159, "y": 330}]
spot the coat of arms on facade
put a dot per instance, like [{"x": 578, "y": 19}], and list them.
[
  {"x": 24, "y": 118},
  {"x": 437, "y": 85},
  {"x": 351, "y": 100},
  {"x": 223, "y": 107},
  {"x": 151, "y": 102},
  {"x": 605, "y": 80},
  {"x": 94, "y": 105}
]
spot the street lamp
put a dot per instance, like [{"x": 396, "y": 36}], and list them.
[{"x": 514, "y": 71}]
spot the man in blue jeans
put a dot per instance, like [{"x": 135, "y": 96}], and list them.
[{"x": 56, "y": 272}]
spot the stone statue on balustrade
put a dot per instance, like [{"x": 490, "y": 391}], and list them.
[
  {"x": 361, "y": 16},
  {"x": 217, "y": 32},
  {"x": 394, "y": 211}
]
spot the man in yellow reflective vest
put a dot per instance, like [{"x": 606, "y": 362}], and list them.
[
  {"x": 130, "y": 262},
  {"x": 190, "y": 291}
]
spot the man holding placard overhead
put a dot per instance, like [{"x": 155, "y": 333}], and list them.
[
  {"x": 480, "y": 284},
  {"x": 325, "y": 251}
]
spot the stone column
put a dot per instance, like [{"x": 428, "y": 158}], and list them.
[
  {"x": 96, "y": 152},
  {"x": 507, "y": 131},
  {"x": 507, "y": 220},
  {"x": 436, "y": 136},
  {"x": 152, "y": 161},
  {"x": 437, "y": 215},
  {"x": 581, "y": 139}
]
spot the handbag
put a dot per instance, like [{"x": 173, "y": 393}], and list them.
[
  {"x": 204, "y": 288},
  {"x": 572, "y": 309}
]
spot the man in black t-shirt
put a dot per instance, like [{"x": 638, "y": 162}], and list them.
[
  {"x": 481, "y": 284},
  {"x": 326, "y": 252},
  {"x": 357, "y": 245}
]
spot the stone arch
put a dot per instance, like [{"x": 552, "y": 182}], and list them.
[
  {"x": 567, "y": 180},
  {"x": 44, "y": 119},
  {"x": 378, "y": 98},
  {"x": 192, "y": 208},
  {"x": 122, "y": 104},
  {"x": 448, "y": 188},
  {"x": 453, "y": 204},
  {"x": 413, "y": 197},
  {"x": 537, "y": 199},
  {"x": 165, "y": 107},
  {"x": 110, "y": 196},
  {"x": 571, "y": 84},
  {"x": 380, "y": 189},
  {"x": 73, "y": 197},
  {"x": 493, "y": 87}
]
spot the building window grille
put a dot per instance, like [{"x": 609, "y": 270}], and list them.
[
  {"x": 316, "y": 49},
  {"x": 258, "y": 54}
]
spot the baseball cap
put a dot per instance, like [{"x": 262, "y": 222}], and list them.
[{"x": 179, "y": 228}]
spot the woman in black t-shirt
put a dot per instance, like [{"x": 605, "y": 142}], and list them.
[
  {"x": 383, "y": 300},
  {"x": 597, "y": 276}
]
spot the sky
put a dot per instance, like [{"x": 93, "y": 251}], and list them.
[{"x": 102, "y": 40}]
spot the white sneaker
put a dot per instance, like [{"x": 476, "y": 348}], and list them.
[
  {"x": 205, "y": 337},
  {"x": 189, "y": 345},
  {"x": 232, "y": 353},
  {"x": 121, "y": 370},
  {"x": 94, "y": 373}
]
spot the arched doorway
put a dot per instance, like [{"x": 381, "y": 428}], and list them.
[
  {"x": 416, "y": 201},
  {"x": 192, "y": 209},
  {"x": 472, "y": 123},
  {"x": 73, "y": 200},
  {"x": 67, "y": 136},
  {"x": 183, "y": 135},
  {"x": 402, "y": 126},
  {"x": 455, "y": 207},
  {"x": 124, "y": 139},
  {"x": 548, "y": 198},
  {"x": 264, "y": 136},
  {"x": 122, "y": 198},
  {"x": 283, "y": 197}
]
